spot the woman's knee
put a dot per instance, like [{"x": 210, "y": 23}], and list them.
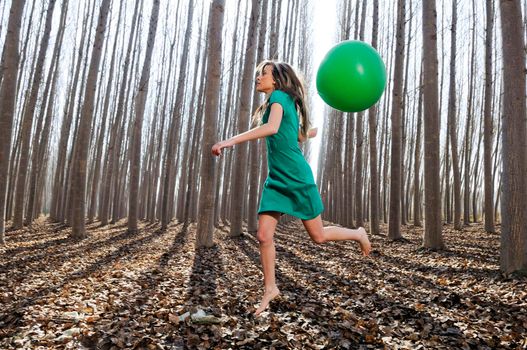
[
  {"x": 317, "y": 237},
  {"x": 264, "y": 236}
]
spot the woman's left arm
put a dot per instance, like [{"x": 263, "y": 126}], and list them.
[{"x": 310, "y": 134}]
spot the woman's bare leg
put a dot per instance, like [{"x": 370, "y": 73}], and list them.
[
  {"x": 266, "y": 227},
  {"x": 321, "y": 234}
]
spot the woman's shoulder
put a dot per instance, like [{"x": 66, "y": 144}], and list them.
[{"x": 279, "y": 96}]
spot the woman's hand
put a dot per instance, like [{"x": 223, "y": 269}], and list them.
[
  {"x": 216, "y": 149},
  {"x": 312, "y": 132}
]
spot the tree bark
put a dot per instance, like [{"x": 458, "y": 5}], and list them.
[
  {"x": 27, "y": 122},
  {"x": 488, "y": 127},
  {"x": 241, "y": 157},
  {"x": 207, "y": 198},
  {"x": 140, "y": 101},
  {"x": 394, "y": 226},
  {"x": 452, "y": 121},
  {"x": 79, "y": 169},
  {"x": 10, "y": 61},
  {"x": 372, "y": 123},
  {"x": 432, "y": 236},
  {"x": 513, "y": 255}
]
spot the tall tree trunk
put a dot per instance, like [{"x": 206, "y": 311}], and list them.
[
  {"x": 513, "y": 255},
  {"x": 79, "y": 169},
  {"x": 359, "y": 150},
  {"x": 109, "y": 183},
  {"x": 207, "y": 198},
  {"x": 469, "y": 132},
  {"x": 372, "y": 123},
  {"x": 254, "y": 158},
  {"x": 168, "y": 189},
  {"x": 10, "y": 61},
  {"x": 240, "y": 163},
  {"x": 140, "y": 101},
  {"x": 394, "y": 228},
  {"x": 417, "y": 155},
  {"x": 432, "y": 236},
  {"x": 41, "y": 135},
  {"x": 452, "y": 121},
  {"x": 27, "y": 121},
  {"x": 488, "y": 128}
]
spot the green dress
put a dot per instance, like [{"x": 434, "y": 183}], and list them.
[{"x": 290, "y": 187}]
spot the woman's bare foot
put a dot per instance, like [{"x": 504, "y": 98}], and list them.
[
  {"x": 364, "y": 242},
  {"x": 266, "y": 299}
]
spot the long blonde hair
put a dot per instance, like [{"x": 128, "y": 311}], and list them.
[{"x": 287, "y": 80}]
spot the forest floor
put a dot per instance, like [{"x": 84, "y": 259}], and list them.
[{"x": 119, "y": 290}]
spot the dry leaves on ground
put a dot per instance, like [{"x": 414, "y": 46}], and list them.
[{"x": 154, "y": 290}]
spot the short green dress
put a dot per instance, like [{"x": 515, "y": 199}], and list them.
[{"x": 290, "y": 187}]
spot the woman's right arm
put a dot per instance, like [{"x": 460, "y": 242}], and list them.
[{"x": 270, "y": 128}]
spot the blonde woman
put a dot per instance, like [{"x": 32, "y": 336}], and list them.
[{"x": 290, "y": 187}]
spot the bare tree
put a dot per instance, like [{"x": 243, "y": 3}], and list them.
[
  {"x": 514, "y": 201},
  {"x": 140, "y": 101},
  {"x": 27, "y": 121},
  {"x": 488, "y": 128},
  {"x": 432, "y": 236},
  {"x": 10, "y": 61},
  {"x": 240, "y": 163},
  {"x": 417, "y": 156},
  {"x": 372, "y": 123},
  {"x": 359, "y": 150},
  {"x": 114, "y": 145},
  {"x": 79, "y": 170},
  {"x": 170, "y": 152},
  {"x": 394, "y": 228},
  {"x": 452, "y": 121},
  {"x": 208, "y": 168}
]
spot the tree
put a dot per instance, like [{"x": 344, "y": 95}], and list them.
[
  {"x": 140, "y": 101},
  {"x": 240, "y": 163},
  {"x": 487, "y": 126},
  {"x": 10, "y": 61},
  {"x": 81, "y": 150},
  {"x": 394, "y": 227},
  {"x": 208, "y": 167},
  {"x": 432, "y": 236},
  {"x": 452, "y": 121},
  {"x": 372, "y": 123},
  {"x": 514, "y": 135},
  {"x": 169, "y": 183},
  {"x": 27, "y": 121}
]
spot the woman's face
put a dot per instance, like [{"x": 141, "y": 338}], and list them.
[{"x": 264, "y": 81}]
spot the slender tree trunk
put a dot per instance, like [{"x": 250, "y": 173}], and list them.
[
  {"x": 394, "y": 228},
  {"x": 359, "y": 150},
  {"x": 417, "y": 156},
  {"x": 254, "y": 146},
  {"x": 109, "y": 183},
  {"x": 79, "y": 169},
  {"x": 432, "y": 236},
  {"x": 207, "y": 198},
  {"x": 8, "y": 88},
  {"x": 27, "y": 122},
  {"x": 140, "y": 101},
  {"x": 372, "y": 122},
  {"x": 469, "y": 126},
  {"x": 453, "y": 121},
  {"x": 514, "y": 203},
  {"x": 240, "y": 163},
  {"x": 488, "y": 128},
  {"x": 168, "y": 198}
]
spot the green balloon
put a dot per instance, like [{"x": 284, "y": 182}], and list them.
[{"x": 351, "y": 77}]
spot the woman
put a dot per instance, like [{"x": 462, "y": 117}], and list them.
[{"x": 290, "y": 187}]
